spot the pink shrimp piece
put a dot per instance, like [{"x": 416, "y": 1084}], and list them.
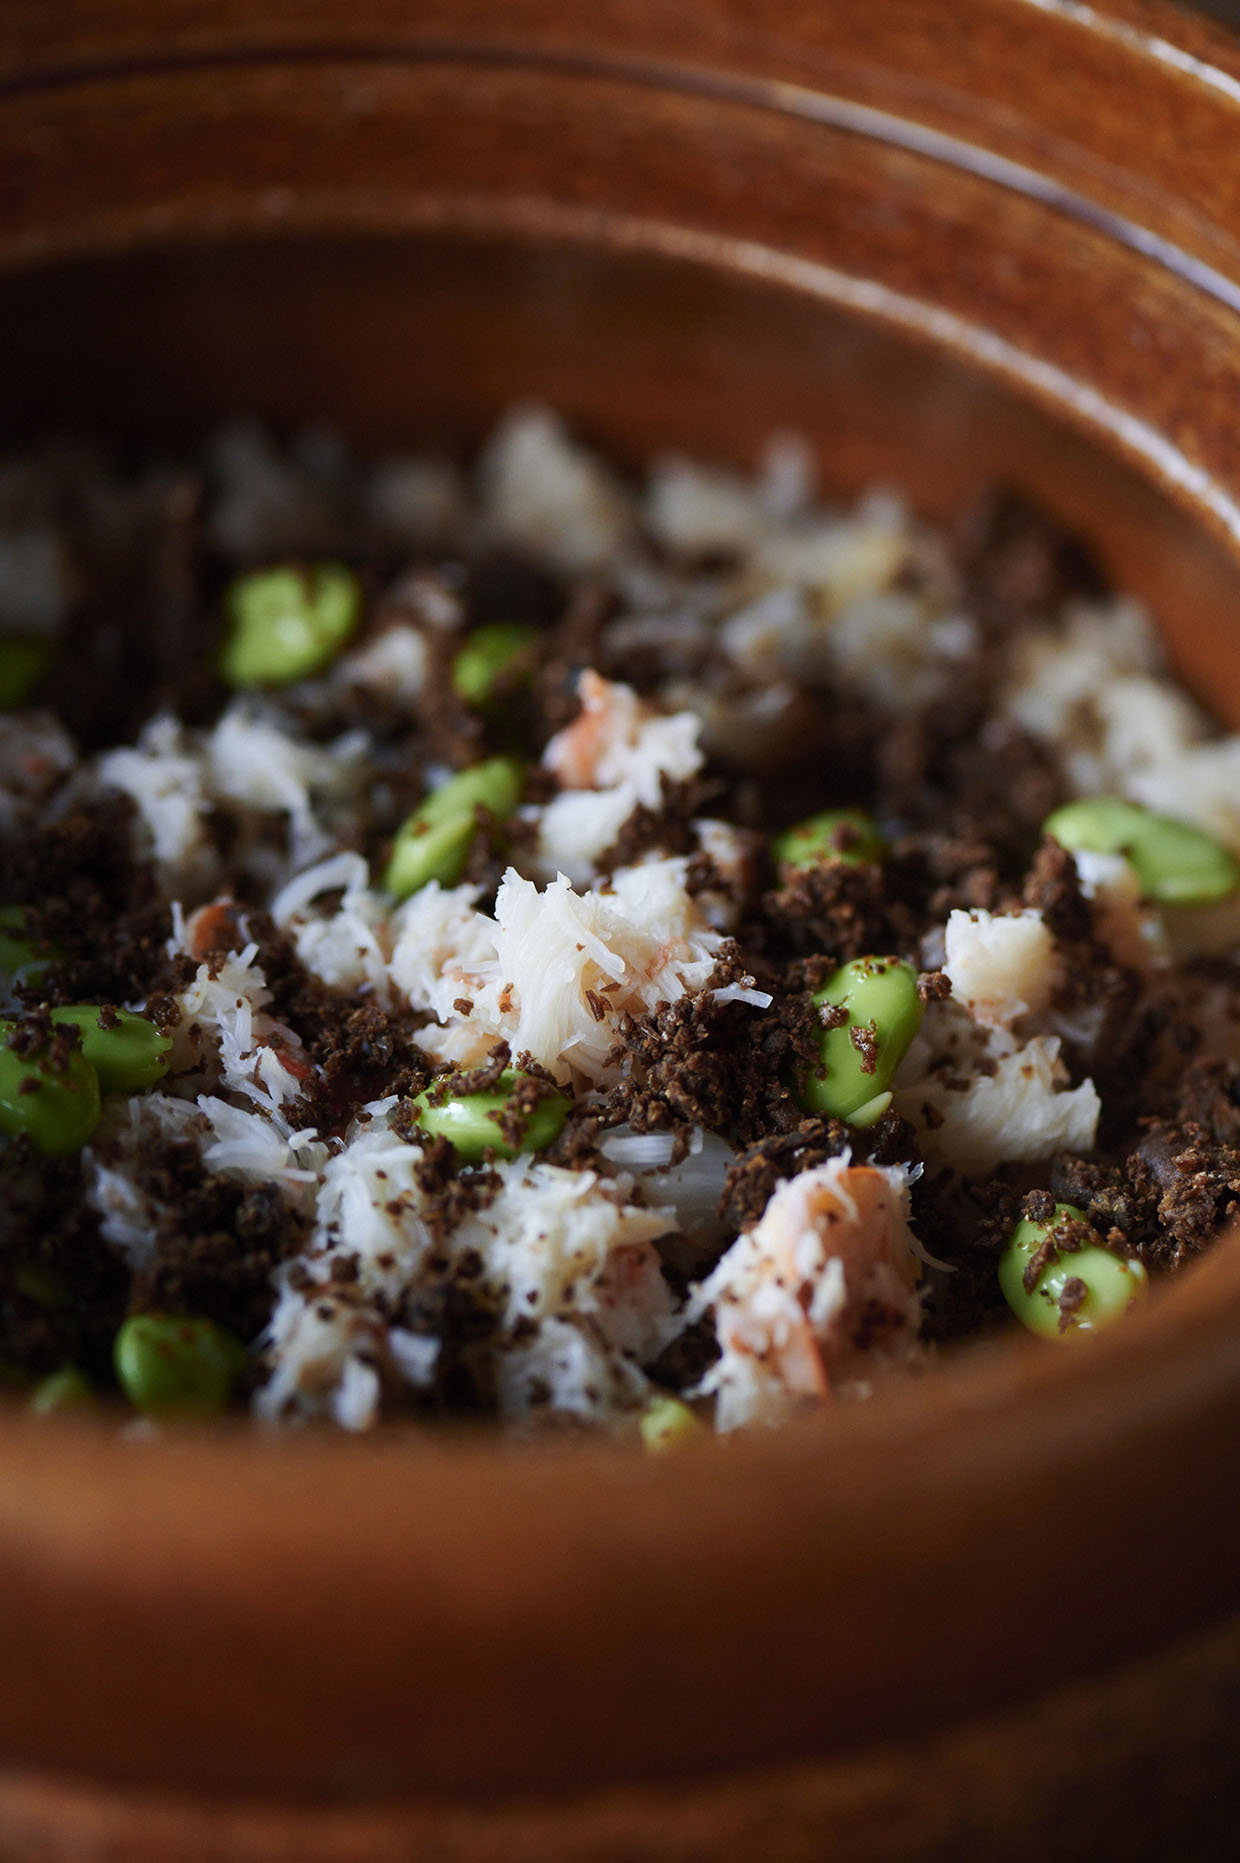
[
  {"x": 826, "y": 1277},
  {"x": 609, "y": 719},
  {"x": 212, "y": 927}
]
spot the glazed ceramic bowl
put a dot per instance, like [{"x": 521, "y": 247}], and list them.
[{"x": 984, "y": 1617}]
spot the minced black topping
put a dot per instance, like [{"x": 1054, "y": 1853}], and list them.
[
  {"x": 961, "y": 794},
  {"x": 698, "y": 1062}
]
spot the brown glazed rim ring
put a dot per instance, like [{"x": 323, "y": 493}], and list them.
[{"x": 451, "y": 1617}]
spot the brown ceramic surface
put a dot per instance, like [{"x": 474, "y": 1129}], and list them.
[{"x": 1000, "y": 236}]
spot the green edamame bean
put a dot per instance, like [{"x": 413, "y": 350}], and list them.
[
  {"x": 21, "y": 960},
  {"x": 433, "y": 844},
  {"x": 421, "y": 854},
  {"x": 494, "y": 785},
  {"x": 498, "y": 650},
  {"x": 169, "y": 1366},
  {"x": 470, "y": 1122},
  {"x": 289, "y": 622},
  {"x": 23, "y": 662},
  {"x": 127, "y": 1052},
  {"x": 849, "y": 837},
  {"x": 1177, "y": 864},
  {"x": 862, "y": 1053},
  {"x": 666, "y": 1423},
  {"x": 66, "y": 1389},
  {"x": 55, "y": 1103},
  {"x": 1081, "y": 1290}
]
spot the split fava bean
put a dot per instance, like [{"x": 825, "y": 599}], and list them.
[
  {"x": 666, "y": 1423},
  {"x": 55, "y": 1105},
  {"x": 1177, "y": 864},
  {"x": 492, "y": 652},
  {"x": 434, "y": 843},
  {"x": 860, "y": 1056},
  {"x": 847, "y": 836},
  {"x": 470, "y": 1122},
  {"x": 21, "y": 960},
  {"x": 128, "y": 1053},
  {"x": 1111, "y": 1283},
  {"x": 169, "y": 1366},
  {"x": 66, "y": 1389},
  {"x": 288, "y": 623}
]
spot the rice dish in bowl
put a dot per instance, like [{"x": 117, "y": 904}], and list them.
[{"x": 635, "y": 958}]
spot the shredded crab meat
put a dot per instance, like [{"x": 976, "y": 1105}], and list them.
[
  {"x": 565, "y": 1260},
  {"x": 614, "y": 757},
  {"x": 225, "y": 1033},
  {"x": 1000, "y": 967},
  {"x": 1020, "y": 1111},
  {"x": 831, "y": 1258},
  {"x": 555, "y": 970},
  {"x": 619, "y": 739}
]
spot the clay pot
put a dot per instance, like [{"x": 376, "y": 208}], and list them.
[{"x": 993, "y": 1615}]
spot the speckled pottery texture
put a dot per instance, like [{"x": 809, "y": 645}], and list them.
[{"x": 995, "y": 1615}]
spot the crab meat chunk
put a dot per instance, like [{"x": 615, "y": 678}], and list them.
[
  {"x": 617, "y": 739},
  {"x": 823, "y": 1289}
]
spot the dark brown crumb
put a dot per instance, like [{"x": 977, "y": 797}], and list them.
[
  {"x": 460, "y": 1083},
  {"x": 1053, "y": 889},
  {"x": 718, "y": 1065},
  {"x": 356, "y": 1051},
  {"x": 863, "y": 1036},
  {"x": 1065, "y": 1235},
  {"x": 967, "y": 1226},
  {"x": 90, "y": 901},
  {"x": 753, "y": 1177},
  {"x": 1193, "y": 1183},
  {"x": 687, "y": 1359},
  {"x": 216, "y": 1241},
  {"x": 451, "y": 1192},
  {"x": 1017, "y": 563},
  {"x": 523, "y": 1101},
  {"x": 836, "y": 908},
  {"x": 1072, "y": 1297},
  {"x": 668, "y": 829}
]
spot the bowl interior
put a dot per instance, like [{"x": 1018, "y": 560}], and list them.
[
  {"x": 420, "y": 341},
  {"x": 687, "y": 255}
]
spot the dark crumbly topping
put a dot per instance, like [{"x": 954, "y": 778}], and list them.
[
  {"x": 1192, "y": 1183},
  {"x": 668, "y": 829},
  {"x": 88, "y": 899},
  {"x": 463, "y": 1082},
  {"x": 752, "y": 1179},
  {"x": 1072, "y": 1297},
  {"x": 701, "y": 1062},
  {"x": 864, "y": 1038},
  {"x": 1017, "y": 564},
  {"x": 1053, "y": 889},
  {"x": 451, "y": 1190},
  {"x": 846, "y": 910},
  {"x": 959, "y": 791},
  {"x": 217, "y": 1242},
  {"x": 1066, "y": 1235},
  {"x": 357, "y": 1049}
]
